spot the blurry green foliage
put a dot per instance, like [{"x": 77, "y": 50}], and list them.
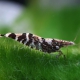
[
  {"x": 51, "y": 23},
  {"x": 5, "y": 29},
  {"x": 18, "y": 62},
  {"x": 63, "y": 24}
]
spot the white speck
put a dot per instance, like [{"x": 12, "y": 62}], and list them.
[
  {"x": 57, "y": 47},
  {"x": 25, "y": 42},
  {"x": 40, "y": 48},
  {"x": 49, "y": 41},
  {"x": 40, "y": 40},
  {"x": 27, "y": 36},
  {"x": 32, "y": 44},
  {"x": 56, "y": 42},
  {"x": 21, "y": 40},
  {"x": 72, "y": 43},
  {"x": 16, "y": 39},
  {"x": 7, "y": 34}
]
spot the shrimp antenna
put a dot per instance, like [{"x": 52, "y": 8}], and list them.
[{"x": 76, "y": 35}]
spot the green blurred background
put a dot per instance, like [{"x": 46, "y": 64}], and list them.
[{"x": 47, "y": 18}]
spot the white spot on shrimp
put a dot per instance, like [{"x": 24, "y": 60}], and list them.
[
  {"x": 7, "y": 34},
  {"x": 49, "y": 41},
  {"x": 16, "y": 39},
  {"x": 57, "y": 47},
  {"x": 27, "y": 36}
]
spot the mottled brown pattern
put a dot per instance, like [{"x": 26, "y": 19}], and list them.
[
  {"x": 12, "y": 35},
  {"x": 24, "y": 40},
  {"x": 36, "y": 42},
  {"x": 30, "y": 36},
  {"x": 46, "y": 47},
  {"x": 23, "y": 36},
  {"x": 43, "y": 44}
]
